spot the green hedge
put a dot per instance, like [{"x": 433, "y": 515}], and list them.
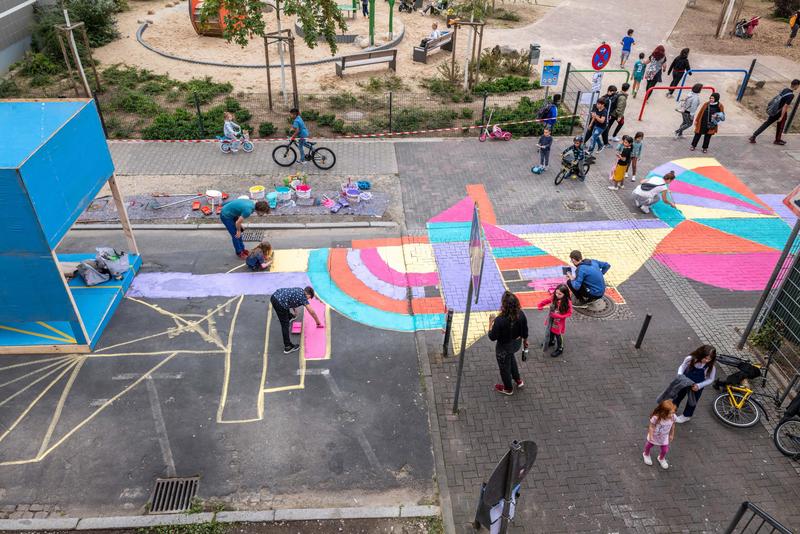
[{"x": 506, "y": 84}]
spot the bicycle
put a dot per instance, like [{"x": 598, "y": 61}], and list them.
[
  {"x": 569, "y": 168},
  {"x": 787, "y": 433},
  {"x": 738, "y": 405},
  {"x": 286, "y": 155}
]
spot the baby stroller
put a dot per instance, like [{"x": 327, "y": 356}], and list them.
[
  {"x": 744, "y": 28},
  {"x": 406, "y": 5}
]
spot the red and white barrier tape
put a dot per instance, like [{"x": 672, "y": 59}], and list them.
[{"x": 352, "y": 136}]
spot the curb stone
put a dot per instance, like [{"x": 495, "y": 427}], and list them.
[{"x": 257, "y": 226}]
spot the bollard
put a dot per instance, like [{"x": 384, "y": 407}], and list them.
[
  {"x": 643, "y": 331},
  {"x": 447, "y": 331}
]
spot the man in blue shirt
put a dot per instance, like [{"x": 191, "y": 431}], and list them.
[
  {"x": 299, "y": 131},
  {"x": 627, "y": 43},
  {"x": 234, "y": 213},
  {"x": 587, "y": 283},
  {"x": 283, "y": 301}
]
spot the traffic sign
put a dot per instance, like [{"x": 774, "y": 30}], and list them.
[
  {"x": 792, "y": 201},
  {"x": 601, "y": 57},
  {"x": 551, "y": 69}
]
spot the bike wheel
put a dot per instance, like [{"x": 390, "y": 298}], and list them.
[
  {"x": 560, "y": 176},
  {"x": 744, "y": 417},
  {"x": 225, "y": 148},
  {"x": 323, "y": 158},
  {"x": 787, "y": 438},
  {"x": 284, "y": 155},
  {"x": 482, "y": 138},
  {"x": 247, "y": 146}
]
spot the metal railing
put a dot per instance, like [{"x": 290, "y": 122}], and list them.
[{"x": 750, "y": 518}]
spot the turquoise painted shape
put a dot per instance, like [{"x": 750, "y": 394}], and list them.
[
  {"x": 667, "y": 213},
  {"x": 449, "y": 232},
  {"x": 343, "y": 303},
  {"x": 771, "y": 232},
  {"x": 518, "y": 252},
  {"x": 693, "y": 178}
]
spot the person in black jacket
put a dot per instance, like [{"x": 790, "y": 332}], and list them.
[
  {"x": 678, "y": 68},
  {"x": 510, "y": 331}
]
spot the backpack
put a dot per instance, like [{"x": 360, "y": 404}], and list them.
[
  {"x": 544, "y": 113},
  {"x": 647, "y": 186},
  {"x": 114, "y": 263},
  {"x": 774, "y": 105},
  {"x": 92, "y": 273}
]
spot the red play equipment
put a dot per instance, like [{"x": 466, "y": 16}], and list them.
[
  {"x": 213, "y": 26},
  {"x": 647, "y": 94}
]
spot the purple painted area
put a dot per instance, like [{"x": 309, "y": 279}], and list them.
[
  {"x": 500, "y": 238},
  {"x": 372, "y": 259},
  {"x": 661, "y": 170},
  {"x": 363, "y": 273},
  {"x": 542, "y": 273},
  {"x": 588, "y": 226},
  {"x": 776, "y": 203},
  {"x": 703, "y": 202},
  {"x": 682, "y": 187},
  {"x": 453, "y": 262},
  {"x": 737, "y": 272},
  {"x": 188, "y": 285}
]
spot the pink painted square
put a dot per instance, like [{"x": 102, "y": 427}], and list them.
[{"x": 315, "y": 340}]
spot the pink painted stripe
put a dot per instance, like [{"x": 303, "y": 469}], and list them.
[
  {"x": 544, "y": 284},
  {"x": 752, "y": 269},
  {"x": 689, "y": 189},
  {"x": 315, "y": 340},
  {"x": 379, "y": 268},
  {"x": 500, "y": 238}
]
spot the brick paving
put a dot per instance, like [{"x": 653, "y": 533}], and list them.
[{"x": 588, "y": 410}]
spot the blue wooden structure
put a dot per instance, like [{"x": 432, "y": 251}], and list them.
[{"x": 54, "y": 161}]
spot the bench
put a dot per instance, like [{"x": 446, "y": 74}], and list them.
[
  {"x": 367, "y": 58},
  {"x": 350, "y": 10},
  {"x": 445, "y": 42}
]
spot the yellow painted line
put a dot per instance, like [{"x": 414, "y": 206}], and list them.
[
  {"x": 34, "y": 362},
  {"x": 156, "y": 353},
  {"x": 66, "y": 336},
  {"x": 265, "y": 358},
  {"x": 224, "y": 396},
  {"x": 103, "y": 407},
  {"x": 21, "y": 391},
  {"x": 39, "y": 370},
  {"x": 236, "y": 421},
  {"x": 236, "y": 268},
  {"x": 45, "y": 336},
  {"x": 68, "y": 366},
  {"x": 285, "y": 388},
  {"x": 60, "y": 406}
]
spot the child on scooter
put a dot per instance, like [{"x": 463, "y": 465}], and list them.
[{"x": 544, "y": 144}]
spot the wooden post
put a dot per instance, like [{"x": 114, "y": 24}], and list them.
[
  {"x": 478, "y": 62},
  {"x": 269, "y": 78},
  {"x": 67, "y": 61},
  {"x": 294, "y": 69},
  {"x": 453, "y": 54},
  {"x": 91, "y": 59},
  {"x": 123, "y": 215}
]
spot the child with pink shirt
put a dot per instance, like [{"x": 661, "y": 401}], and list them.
[{"x": 660, "y": 432}]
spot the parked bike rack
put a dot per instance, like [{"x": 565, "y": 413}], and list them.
[
  {"x": 745, "y": 78},
  {"x": 757, "y": 519}
]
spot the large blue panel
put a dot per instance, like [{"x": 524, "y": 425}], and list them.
[
  {"x": 25, "y": 126},
  {"x": 20, "y": 232},
  {"x": 66, "y": 173},
  {"x": 32, "y": 290}
]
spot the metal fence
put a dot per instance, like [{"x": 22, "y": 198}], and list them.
[
  {"x": 750, "y": 518},
  {"x": 195, "y": 116}
]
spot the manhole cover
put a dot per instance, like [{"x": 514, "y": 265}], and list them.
[
  {"x": 599, "y": 309},
  {"x": 173, "y": 495},
  {"x": 353, "y": 116},
  {"x": 575, "y": 205}
]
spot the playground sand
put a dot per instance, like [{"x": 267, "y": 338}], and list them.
[{"x": 171, "y": 31}]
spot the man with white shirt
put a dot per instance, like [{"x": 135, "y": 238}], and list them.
[{"x": 648, "y": 191}]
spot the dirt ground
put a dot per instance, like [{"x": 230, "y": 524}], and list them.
[
  {"x": 171, "y": 31},
  {"x": 697, "y": 25}
]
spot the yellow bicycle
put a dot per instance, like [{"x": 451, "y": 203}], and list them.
[{"x": 738, "y": 406}]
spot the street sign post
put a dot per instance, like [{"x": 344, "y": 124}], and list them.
[
  {"x": 476, "y": 257},
  {"x": 601, "y": 57}
]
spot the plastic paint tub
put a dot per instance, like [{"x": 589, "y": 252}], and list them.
[
  {"x": 353, "y": 195},
  {"x": 272, "y": 199},
  {"x": 303, "y": 191},
  {"x": 257, "y": 192},
  {"x": 284, "y": 193}
]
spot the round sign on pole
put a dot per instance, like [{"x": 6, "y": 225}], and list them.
[{"x": 601, "y": 57}]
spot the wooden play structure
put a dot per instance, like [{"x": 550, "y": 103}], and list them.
[
  {"x": 213, "y": 26},
  {"x": 49, "y": 174}
]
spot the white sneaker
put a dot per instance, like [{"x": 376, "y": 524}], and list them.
[
  {"x": 613, "y": 187},
  {"x": 682, "y": 419},
  {"x": 633, "y": 178},
  {"x": 646, "y": 209},
  {"x": 626, "y": 175},
  {"x": 663, "y": 462},
  {"x": 615, "y": 139},
  {"x": 647, "y": 459}
]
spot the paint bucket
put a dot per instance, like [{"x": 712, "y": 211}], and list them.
[
  {"x": 303, "y": 191},
  {"x": 353, "y": 195},
  {"x": 214, "y": 195},
  {"x": 257, "y": 192},
  {"x": 284, "y": 193},
  {"x": 272, "y": 199}
]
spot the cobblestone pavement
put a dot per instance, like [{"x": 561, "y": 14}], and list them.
[
  {"x": 361, "y": 157},
  {"x": 588, "y": 409}
]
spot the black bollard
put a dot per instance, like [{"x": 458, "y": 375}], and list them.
[
  {"x": 643, "y": 331},
  {"x": 447, "y": 331}
]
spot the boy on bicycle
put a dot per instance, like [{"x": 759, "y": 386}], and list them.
[
  {"x": 578, "y": 155},
  {"x": 299, "y": 131}
]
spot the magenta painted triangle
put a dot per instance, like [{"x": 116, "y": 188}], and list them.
[
  {"x": 500, "y": 238},
  {"x": 689, "y": 189},
  {"x": 461, "y": 212}
]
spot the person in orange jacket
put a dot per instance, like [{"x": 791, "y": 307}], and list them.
[{"x": 560, "y": 310}]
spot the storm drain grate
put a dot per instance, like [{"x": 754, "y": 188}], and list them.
[
  {"x": 252, "y": 235},
  {"x": 575, "y": 205},
  {"x": 173, "y": 495}
]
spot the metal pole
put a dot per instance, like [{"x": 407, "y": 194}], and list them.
[
  {"x": 791, "y": 116},
  {"x": 199, "y": 116},
  {"x": 566, "y": 78},
  {"x": 463, "y": 345},
  {"x": 483, "y": 110},
  {"x": 390, "y": 110},
  {"x": 746, "y": 81},
  {"x": 100, "y": 114},
  {"x": 574, "y": 113},
  {"x": 448, "y": 330},
  {"x": 513, "y": 462},
  {"x": 643, "y": 331},
  {"x": 770, "y": 283},
  {"x": 738, "y": 517}
]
